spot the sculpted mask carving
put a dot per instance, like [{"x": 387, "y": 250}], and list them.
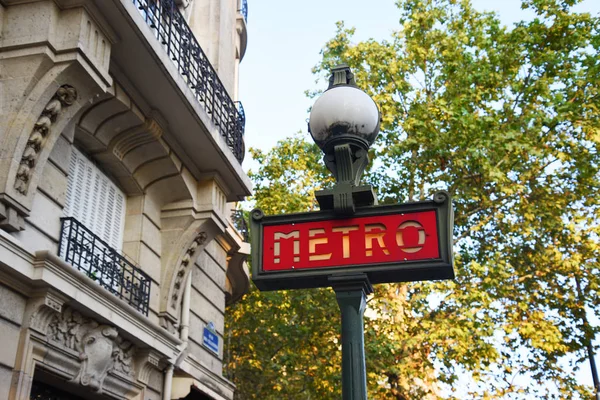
[
  {"x": 101, "y": 349},
  {"x": 97, "y": 351}
]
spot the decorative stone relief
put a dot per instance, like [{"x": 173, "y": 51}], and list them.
[
  {"x": 101, "y": 349},
  {"x": 64, "y": 97},
  {"x": 44, "y": 313},
  {"x": 167, "y": 322},
  {"x": 124, "y": 357},
  {"x": 188, "y": 257},
  {"x": 130, "y": 139},
  {"x": 41, "y": 309},
  {"x": 147, "y": 361},
  {"x": 97, "y": 352}
]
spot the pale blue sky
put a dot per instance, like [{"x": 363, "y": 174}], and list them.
[{"x": 284, "y": 40}]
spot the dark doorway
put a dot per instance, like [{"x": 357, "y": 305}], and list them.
[
  {"x": 196, "y": 394},
  {"x": 48, "y": 386},
  {"x": 44, "y": 391}
]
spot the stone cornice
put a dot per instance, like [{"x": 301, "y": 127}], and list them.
[{"x": 45, "y": 269}]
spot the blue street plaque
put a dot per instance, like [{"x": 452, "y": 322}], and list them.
[{"x": 210, "y": 340}]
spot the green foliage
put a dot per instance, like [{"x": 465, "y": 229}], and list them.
[
  {"x": 288, "y": 176},
  {"x": 282, "y": 345},
  {"x": 506, "y": 120}
]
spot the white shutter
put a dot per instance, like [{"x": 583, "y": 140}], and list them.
[{"x": 94, "y": 200}]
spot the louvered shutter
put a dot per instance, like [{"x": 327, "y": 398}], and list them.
[{"x": 94, "y": 200}]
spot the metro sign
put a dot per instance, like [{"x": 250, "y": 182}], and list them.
[{"x": 398, "y": 243}]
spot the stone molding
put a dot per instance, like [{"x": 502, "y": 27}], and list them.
[
  {"x": 60, "y": 282},
  {"x": 138, "y": 136},
  {"x": 99, "y": 301},
  {"x": 65, "y": 96},
  {"x": 77, "y": 348},
  {"x": 183, "y": 386},
  {"x": 11, "y": 220},
  {"x": 48, "y": 52},
  {"x": 193, "y": 367},
  {"x": 237, "y": 278},
  {"x": 147, "y": 360},
  {"x": 190, "y": 255},
  {"x": 184, "y": 235},
  {"x": 42, "y": 310}
]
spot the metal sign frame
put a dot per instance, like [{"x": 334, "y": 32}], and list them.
[
  {"x": 406, "y": 271},
  {"x": 210, "y": 339}
]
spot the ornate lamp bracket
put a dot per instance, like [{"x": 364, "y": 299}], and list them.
[
  {"x": 345, "y": 135},
  {"x": 347, "y": 165}
]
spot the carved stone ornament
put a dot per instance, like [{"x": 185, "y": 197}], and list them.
[
  {"x": 188, "y": 258},
  {"x": 147, "y": 361},
  {"x": 101, "y": 349},
  {"x": 64, "y": 97}
]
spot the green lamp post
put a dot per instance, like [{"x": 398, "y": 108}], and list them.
[
  {"x": 344, "y": 123},
  {"x": 351, "y": 242}
]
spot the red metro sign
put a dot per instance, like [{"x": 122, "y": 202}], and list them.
[
  {"x": 397, "y": 243},
  {"x": 346, "y": 242}
]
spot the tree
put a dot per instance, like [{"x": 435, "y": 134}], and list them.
[
  {"x": 282, "y": 344},
  {"x": 506, "y": 120},
  {"x": 286, "y": 344}
]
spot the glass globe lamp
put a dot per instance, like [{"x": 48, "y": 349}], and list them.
[
  {"x": 344, "y": 123},
  {"x": 344, "y": 114}
]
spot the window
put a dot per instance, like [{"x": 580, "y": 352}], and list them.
[
  {"x": 92, "y": 233},
  {"x": 94, "y": 200}
]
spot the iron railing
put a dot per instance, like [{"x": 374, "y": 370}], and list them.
[
  {"x": 239, "y": 222},
  {"x": 244, "y": 9},
  {"x": 241, "y": 113},
  {"x": 176, "y": 37},
  {"x": 88, "y": 253}
]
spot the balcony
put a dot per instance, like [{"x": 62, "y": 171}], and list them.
[
  {"x": 85, "y": 251},
  {"x": 159, "y": 63},
  {"x": 174, "y": 34}
]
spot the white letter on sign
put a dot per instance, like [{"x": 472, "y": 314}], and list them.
[
  {"x": 375, "y": 236},
  {"x": 277, "y": 250},
  {"x": 400, "y": 236},
  {"x": 312, "y": 245},
  {"x": 345, "y": 238}
]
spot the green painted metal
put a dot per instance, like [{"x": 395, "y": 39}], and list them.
[
  {"x": 341, "y": 75},
  {"x": 432, "y": 269},
  {"x": 351, "y": 292},
  {"x": 347, "y": 165}
]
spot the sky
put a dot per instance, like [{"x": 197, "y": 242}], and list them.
[{"x": 284, "y": 41}]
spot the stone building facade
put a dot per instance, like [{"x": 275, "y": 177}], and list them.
[{"x": 121, "y": 142}]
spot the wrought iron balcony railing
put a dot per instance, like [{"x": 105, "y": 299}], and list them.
[
  {"x": 173, "y": 32},
  {"x": 244, "y": 9},
  {"x": 88, "y": 253},
  {"x": 237, "y": 217}
]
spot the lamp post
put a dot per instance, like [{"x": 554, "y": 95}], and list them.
[
  {"x": 344, "y": 123},
  {"x": 351, "y": 242}
]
